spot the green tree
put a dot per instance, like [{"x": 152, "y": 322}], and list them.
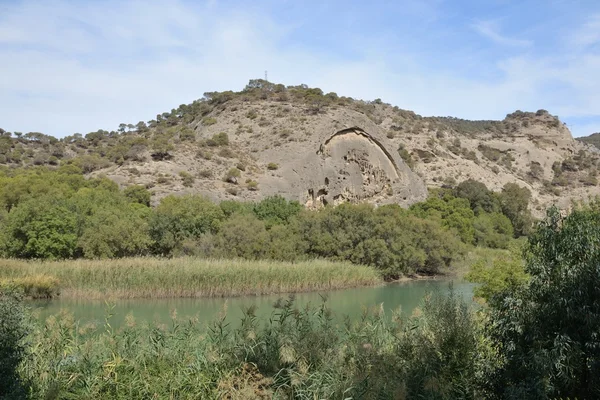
[
  {"x": 242, "y": 235},
  {"x": 276, "y": 210},
  {"x": 502, "y": 274},
  {"x": 178, "y": 218},
  {"x": 138, "y": 194},
  {"x": 514, "y": 201},
  {"x": 449, "y": 211},
  {"x": 116, "y": 232},
  {"x": 493, "y": 230},
  {"x": 41, "y": 228},
  {"x": 547, "y": 330},
  {"x": 230, "y": 207},
  {"x": 480, "y": 198},
  {"x": 388, "y": 238}
]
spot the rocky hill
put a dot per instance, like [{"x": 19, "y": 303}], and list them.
[
  {"x": 593, "y": 139},
  {"x": 321, "y": 149}
]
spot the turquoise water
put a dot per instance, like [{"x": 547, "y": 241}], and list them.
[{"x": 347, "y": 302}]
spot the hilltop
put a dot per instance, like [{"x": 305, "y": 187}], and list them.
[
  {"x": 320, "y": 148},
  {"x": 593, "y": 139}
]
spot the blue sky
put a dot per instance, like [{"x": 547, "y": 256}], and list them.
[{"x": 77, "y": 66}]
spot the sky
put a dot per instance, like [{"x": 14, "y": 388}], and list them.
[{"x": 78, "y": 66}]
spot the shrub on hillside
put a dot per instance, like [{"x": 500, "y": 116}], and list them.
[
  {"x": 218, "y": 139},
  {"x": 232, "y": 175},
  {"x": 187, "y": 179}
]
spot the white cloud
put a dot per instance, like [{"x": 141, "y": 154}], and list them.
[
  {"x": 491, "y": 30},
  {"x": 76, "y": 67},
  {"x": 588, "y": 34}
]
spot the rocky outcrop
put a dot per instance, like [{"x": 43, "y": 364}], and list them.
[
  {"x": 365, "y": 152},
  {"x": 349, "y": 166}
]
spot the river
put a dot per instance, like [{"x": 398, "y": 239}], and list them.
[{"x": 350, "y": 302}]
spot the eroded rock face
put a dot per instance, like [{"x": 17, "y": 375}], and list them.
[{"x": 353, "y": 166}]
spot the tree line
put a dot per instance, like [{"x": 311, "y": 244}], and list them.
[{"x": 59, "y": 214}]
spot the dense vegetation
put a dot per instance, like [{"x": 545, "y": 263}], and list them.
[
  {"x": 536, "y": 337},
  {"x": 145, "y": 277},
  {"x": 59, "y": 214}
]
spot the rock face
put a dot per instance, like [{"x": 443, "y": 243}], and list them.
[
  {"x": 322, "y": 149},
  {"x": 351, "y": 165}
]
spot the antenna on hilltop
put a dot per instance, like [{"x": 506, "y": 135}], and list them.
[{"x": 266, "y": 79}]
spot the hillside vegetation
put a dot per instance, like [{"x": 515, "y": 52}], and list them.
[
  {"x": 58, "y": 214},
  {"x": 593, "y": 139},
  {"x": 262, "y": 141}
]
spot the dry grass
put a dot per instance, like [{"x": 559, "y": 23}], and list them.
[
  {"x": 36, "y": 286},
  {"x": 189, "y": 277}
]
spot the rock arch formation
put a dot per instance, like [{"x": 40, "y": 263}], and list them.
[{"x": 356, "y": 167}]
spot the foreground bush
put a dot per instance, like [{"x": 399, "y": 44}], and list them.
[
  {"x": 296, "y": 354},
  {"x": 547, "y": 330},
  {"x": 13, "y": 329}
]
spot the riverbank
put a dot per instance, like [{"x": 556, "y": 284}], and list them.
[{"x": 128, "y": 278}]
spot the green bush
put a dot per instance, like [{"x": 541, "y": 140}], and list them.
[
  {"x": 226, "y": 153},
  {"x": 406, "y": 157},
  {"x": 493, "y": 230},
  {"x": 205, "y": 173},
  {"x": 514, "y": 201},
  {"x": 480, "y": 197},
  {"x": 546, "y": 330},
  {"x": 35, "y": 286},
  {"x": 186, "y": 179},
  {"x": 241, "y": 235},
  {"x": 178, "y": 218},
  {"x": 218, "y": 139},
  {"x": 451, "y": 212},
  {"x": 13, "y": 332},
  {"x": 504, "y": 274},
  {"x": 272, "y": 166},
  {"x": 207, "y": 121},
  {"x": 230, "y": 207},
  {"x": 388, "y": 238},
  {"x": 41, "y": 228},
  {"x": 116, "y": 232},
  {"x": 232, "y": 175},
  {"x": 276, "y": 210},
  {"x": 138, "y": 194},
  {"x": 252, "y": 185}
]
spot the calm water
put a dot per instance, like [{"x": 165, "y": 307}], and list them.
[{"x": 349, "y": 302}]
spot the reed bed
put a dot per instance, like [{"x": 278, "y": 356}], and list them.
[{"x": 189, "y": 277}]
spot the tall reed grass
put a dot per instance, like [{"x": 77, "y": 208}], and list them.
[
  {"x": 189, "y": 277},
  {"x": 34, "y": 286},
  {"x": 298, "y": 353}
]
